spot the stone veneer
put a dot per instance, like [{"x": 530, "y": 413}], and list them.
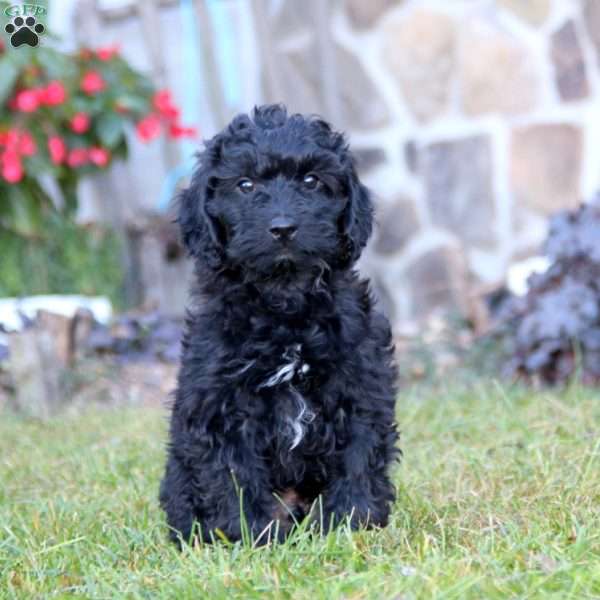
[{"x": 472, "y": 121}]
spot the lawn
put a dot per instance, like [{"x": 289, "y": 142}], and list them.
[{"x": 498, "y": 497}]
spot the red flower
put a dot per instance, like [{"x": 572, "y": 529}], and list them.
[
  {"x": 12, "y": 167},
  {"x": 99, "y": 156},
  {"x": 77, "y": 157},
  {"x": 54, "y": 93},
  {"x": 27, "y": 100},
  {"x": 148, "y": 128},
  {"x": 177, "y": 131},
  {"x": 27, "y": 145},
  {"x": 80, "y": 122},
  {"x": 107, "y": 52},
  {"x": 57, "y": 149},
  {"x": 92, "y": 82},
  {"x": 85, "y": 53},
  {"x": 163, "y": 103},
  {"x": 11, "y": 139}
]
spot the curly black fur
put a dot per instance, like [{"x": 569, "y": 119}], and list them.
[{"x": 286, "y": 390}]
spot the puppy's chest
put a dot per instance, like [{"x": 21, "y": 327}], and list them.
[
  {"x": 284, "y": 359},
  {"x": 283, "y": 376},
  {"x": 291, "y": 370}
]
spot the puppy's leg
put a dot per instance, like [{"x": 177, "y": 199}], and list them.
[
  {"x": 214, "y": 487},
  {"x": 364, "y": 500},
  {"x": 238, "y": 495},
  {"x": 176, "y": 496},
  {"x": 363, "y": 491}
]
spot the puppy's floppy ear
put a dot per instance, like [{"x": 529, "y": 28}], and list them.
[
  {"x": 357, "y": 218},
  {"x": 199, "y": 231}
]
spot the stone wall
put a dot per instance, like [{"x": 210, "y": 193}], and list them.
[{"x": 472, "y": 121}]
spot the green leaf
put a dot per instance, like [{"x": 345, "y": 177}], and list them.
[
  {"x": 110, "y": 129},
  {"x": 37, "y": 164},
  {"x": 24, "y": 57},
  {"x": 121, "y": 150},
  {"x": 135, "y": 104},
  {"x": 8, "y": 76},
  {"x": 56, "y": 64},
  {"x": 26, "y": 207}
]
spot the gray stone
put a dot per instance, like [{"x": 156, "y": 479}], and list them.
[
  {"x": 301, "y": 83},
  {"x": 458, "y": 185},
  {"x": 420, "y": 51},
  {"x": 368, "y": 158},
  {"x": 365, "y": 13},
  {"x": 545, "y": 167},
  {"x": 295, "y": 73},
  {"x": 497, "y": 72},
  {"x": 291, "y": 19},
  {"x": 383, "y": 298},
  {"x": 396, "y": 224},
  {"x": 362, "y": 105},
  {"x": 569, "y": 64},
  {"x": 438, "y": 279},
  {"x": 535, "y": 12},
  {"x": 411, "y": 156},
  {"x": 296, "y": 89}
]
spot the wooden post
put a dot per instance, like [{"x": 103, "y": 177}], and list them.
[{"x": 38, "y": 363}]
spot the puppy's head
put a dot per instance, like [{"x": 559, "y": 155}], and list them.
[{"x": 276, "y": 193}]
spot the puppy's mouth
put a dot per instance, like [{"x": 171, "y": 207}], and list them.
[
  {"x": 284, "y": 264},
  {"x": 285, "y": 253}
]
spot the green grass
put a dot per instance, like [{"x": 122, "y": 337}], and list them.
[{"x": 498, "y": 497}]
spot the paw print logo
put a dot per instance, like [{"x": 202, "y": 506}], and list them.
[{"x": 24, "y": 31}]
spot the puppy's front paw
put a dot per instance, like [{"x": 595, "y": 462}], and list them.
[{"x": 347, "y": 501}]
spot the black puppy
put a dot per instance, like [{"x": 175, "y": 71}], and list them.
[{"x": 286, "y": 390}]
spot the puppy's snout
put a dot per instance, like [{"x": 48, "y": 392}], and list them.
[{"x": 283, "y": 229}]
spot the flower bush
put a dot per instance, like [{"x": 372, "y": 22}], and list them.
[{"x": 66, "y": 115}]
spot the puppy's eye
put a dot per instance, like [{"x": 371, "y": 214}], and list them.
[
  {"x": 311, "y": 181},
  {"x": 246, "y": 185}
]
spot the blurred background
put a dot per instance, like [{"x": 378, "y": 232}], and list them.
[{"x": 472, "y": 121}]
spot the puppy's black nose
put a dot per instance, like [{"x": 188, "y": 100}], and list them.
[{"x": 283, "y": 229}]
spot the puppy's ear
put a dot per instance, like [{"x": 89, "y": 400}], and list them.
[
  {"x": 357, "y": 219},
  {"x": 199, "y": 231}
]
